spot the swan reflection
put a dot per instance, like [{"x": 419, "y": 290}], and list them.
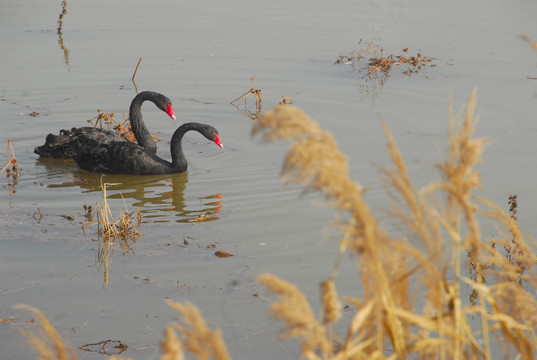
[{"x": 160, "y": 198}]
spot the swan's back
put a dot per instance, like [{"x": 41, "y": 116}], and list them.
[
  {"x": 70, "y": 142},
  {"x": 122, "y": 158}
]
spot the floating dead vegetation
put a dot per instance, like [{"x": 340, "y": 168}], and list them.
[
  {"x": 205, "y": 216},
  {"x": 222, "y": 254},
  {"x": 7, "y": 321},
  {"x": 372, "y": 60},
  {"x": 106, "y": 347},
  {"x": 241, "y": 104},
  {"x": 376, "y": 66},
  {"x": 11, "y": 168}
]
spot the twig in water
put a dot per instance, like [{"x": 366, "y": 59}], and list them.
[
  {"x": 134, "y": 75},
  {"x": 14, "y": 172}
]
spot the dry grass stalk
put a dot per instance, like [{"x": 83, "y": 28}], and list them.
[
  {"x": 14, "y": 171},
  {"x": 387, "y": 317},
  {"x": 111, "y": 231},
  {"x": 295, "y": 310},
  {"x": 48, "y": 343},
  {"x": 122, "y": 229},
  {"x": 201, "y": 341}
]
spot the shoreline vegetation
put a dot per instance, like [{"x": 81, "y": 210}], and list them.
[{"x": 441, "y": 249}]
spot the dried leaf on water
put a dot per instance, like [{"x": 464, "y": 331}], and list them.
[{"x": 222, "y": 254}]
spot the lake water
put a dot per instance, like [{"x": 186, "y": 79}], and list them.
[{"x": 202, "y": 55}]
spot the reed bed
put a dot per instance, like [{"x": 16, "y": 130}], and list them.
[{"x": 442, "y": 238}]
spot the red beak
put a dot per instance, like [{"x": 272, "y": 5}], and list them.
[
  {"x": 217, "y": 140},
  {"x": 169, "y": 111}
]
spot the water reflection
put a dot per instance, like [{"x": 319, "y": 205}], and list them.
[{"x": 161, "y": 198}]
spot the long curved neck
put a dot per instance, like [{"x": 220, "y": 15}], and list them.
[
  {"x": 137, "y": 123},
  {"x": 176, "y": 146}
]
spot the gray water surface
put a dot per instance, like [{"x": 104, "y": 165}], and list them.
[{"x": 202, "y": 55}]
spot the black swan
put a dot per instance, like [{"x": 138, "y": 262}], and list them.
[
  {"x": 130, "y": 158},
  {"x": 69, "y": 142}
]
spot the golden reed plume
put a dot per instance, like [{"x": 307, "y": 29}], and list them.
[{"x": 441, "y": 224}]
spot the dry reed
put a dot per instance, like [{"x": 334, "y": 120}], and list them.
[
  {"x": 48, "y": 344},
  {"x": 442, "y": 228},
  {"x": 111, "y": 232},
  {"x": 198, "y": 339}
]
